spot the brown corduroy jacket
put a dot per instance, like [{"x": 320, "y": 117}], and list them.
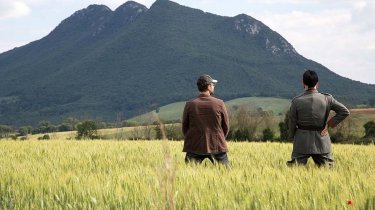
[{"x": 205, "y": 125}]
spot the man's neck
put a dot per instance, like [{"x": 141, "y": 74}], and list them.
[
  {"x": 205, "y": 92},
  {"x": 310, "y": 88}
]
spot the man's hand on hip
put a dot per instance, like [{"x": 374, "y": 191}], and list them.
[{"x": 324, "y": 132}]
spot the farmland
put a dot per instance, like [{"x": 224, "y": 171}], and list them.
[{"x": 152, "y": 175}]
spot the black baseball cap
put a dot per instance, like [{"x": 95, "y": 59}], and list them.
[{"x": 205, "y": 80}]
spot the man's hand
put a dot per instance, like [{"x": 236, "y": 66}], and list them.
[{"x": 324, "y": 132}]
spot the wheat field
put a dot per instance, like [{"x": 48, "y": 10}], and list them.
[{"x": 63, "y": 174}]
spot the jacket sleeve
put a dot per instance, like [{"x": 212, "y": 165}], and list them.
[
  {"x": 292, "y": 119},
  {"x": 341, "y": 113},
  {"x": 224, "y": 120},
  {"x": 185, "y": 120}
]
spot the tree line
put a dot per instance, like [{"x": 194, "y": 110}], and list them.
[{"x": 247, "y": 124}]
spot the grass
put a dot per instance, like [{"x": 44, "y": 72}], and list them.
[
  {"x": 152, "y": 175},
  {"x": 276, "y": 105}
]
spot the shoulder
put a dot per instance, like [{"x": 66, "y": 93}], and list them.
[
  {"x": 298, "y": 96},
  {"x": 326, "y": 94},
  {"x": 192, "y": 100},
  {"x": 217, "y": 100}
]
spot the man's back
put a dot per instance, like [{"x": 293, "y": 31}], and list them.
[
  {"x": 311, "y": 108},
  {"x": 307, "y": 119},
  {"x": 205, "y": 125},
  {"x": 307, "y": 122}
]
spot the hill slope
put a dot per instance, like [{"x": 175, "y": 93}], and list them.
[
  {"x": 173, "y": 111},
  {"x": 99, "y": 62}
]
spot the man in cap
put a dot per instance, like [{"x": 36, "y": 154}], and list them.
[
  {"x": 308, "y": 122},
  {"x": 205, "y": 125}
]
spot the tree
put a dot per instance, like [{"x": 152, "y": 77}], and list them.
[
  {"x": 73, "y": 122},
  {"x": 87, "y": 129},
  {"x": 268, "y": 134},
  {"x": 371, "y": 101},
  {"x": 241, "y": 134},
  {"x": 158, "y": 132},
  {"x": 247, "y": 121},
  {"x": 24, "y": 130},
  {"x": 174, "y": 131},
  {"x": 44, "y": 137},
  {"x": 369, "y": 129},
  {"x": 65, "y": 127},
  {"x": 45, "y": 127},
  {"x": 344, "y": 131},
  {"x": 284, "y": 128},
  {"x": 5, "y": 131}
]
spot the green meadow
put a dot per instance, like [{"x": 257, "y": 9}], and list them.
[
  {"x": 174, "y": 111},
  {"x": 107, "y": 174}
]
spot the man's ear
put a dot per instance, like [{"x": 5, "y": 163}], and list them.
[{"x": 317, "y": 85}]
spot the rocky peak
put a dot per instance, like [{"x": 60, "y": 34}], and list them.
[
  {"x": 128, "y": 12},
  {"x": 272, "y": 41},
  {"x": 247, "y": 24},
  {"x": 93, "y": 9},
  {"x": 131, "y": 6}
]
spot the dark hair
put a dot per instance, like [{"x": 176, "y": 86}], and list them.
[
  {"x": 203, "y": 82},
  {"x": 310, "y": 78},
  {"x": 202, "y": 87}
]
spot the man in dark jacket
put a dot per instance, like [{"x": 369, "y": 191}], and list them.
[
  {"x": 308, "y": 122},
  {"x": 205, "y": 125}
]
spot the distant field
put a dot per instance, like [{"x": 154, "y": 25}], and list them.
[
  {"x": 60, "y": 174},
  {"x": 353, "y": 125},
  {"x": 174, "y": 111},
  {"x": 277, "y": 105},
  {"x": 364, "y": 111}
]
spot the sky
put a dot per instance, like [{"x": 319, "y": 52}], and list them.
[{"x": 339, "y": 34}]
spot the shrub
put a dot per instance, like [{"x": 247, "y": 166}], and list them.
[
  {"x": 45, "y": 127},
  {"x": 24, "y": 130},
  {"x": 158, "y": 132},
  {"x": 87, "y": 129},
  {"x": 5, "y": 131},
  {"x": 242, "y": 134},
  {"x": 174, "y": 131},
  {"x": 44, "y": 137},
  {"x": 337, "y": 137},
  {"x": 65, "y": 127},
  {"x": 268, "y": 134},
  {"x": 284, "y": 129},
  {"x": 284, "y": 133},
  {"x": 141, "y": 133},
  {"x": 369, "y": 129}
]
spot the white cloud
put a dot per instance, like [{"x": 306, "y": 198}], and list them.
[
  {"x": 364, "y": 14},
  {"x": 340, "y": 39},
  {"x": 11, "y": 9}
]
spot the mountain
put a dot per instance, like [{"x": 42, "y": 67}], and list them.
[{"x": 98, "y": 63}]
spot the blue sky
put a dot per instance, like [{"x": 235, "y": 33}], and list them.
[{"x": 339, "y": 34}]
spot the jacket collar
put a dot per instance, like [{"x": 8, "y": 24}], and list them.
[
  {"x": 308, "y": 91},
  {"x": 204, "y": 95}
]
